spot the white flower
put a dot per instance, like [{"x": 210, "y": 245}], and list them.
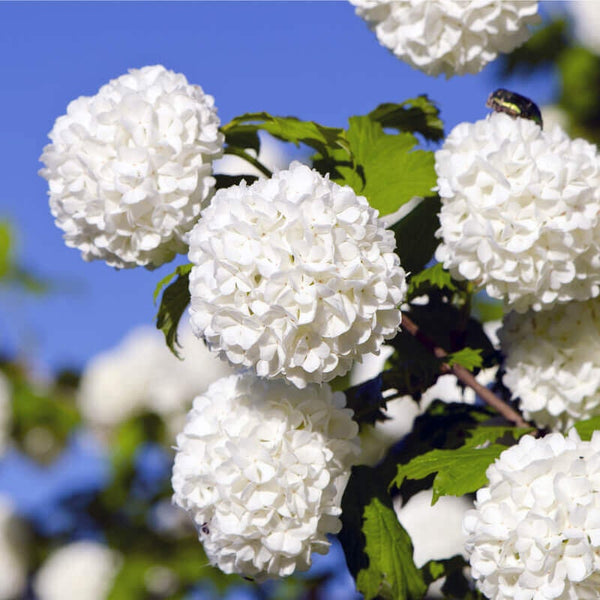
[
  {"x": 261, "y": 466},
  {"x": 83, "y": 570},
  {"x": 586, "y": 20},
  {"x": 520, "y": 211},
  {"x": 535, "y": 530},
  {"x": 141, "y": 374},
  {"x": 294, "y": 276},
  {"x": 13, "y": 563},
  {"x": 553, "y": 363},
  {"x": 5, "y": 412},
  {"x": 129, "y": 169},
  {"x": 453, "y": 37},
  {"x": 435, "y": 530}
]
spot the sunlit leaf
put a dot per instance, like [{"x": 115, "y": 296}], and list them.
[{"x": 378, "y": 549}]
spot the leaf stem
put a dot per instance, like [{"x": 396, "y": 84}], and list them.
[
  {"x": 465, "y": 375},
  {"x": 250, "y": 159}
]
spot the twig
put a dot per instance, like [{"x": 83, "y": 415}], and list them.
[{"x": 465, "y": 375}]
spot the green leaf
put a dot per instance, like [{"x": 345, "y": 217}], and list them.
[
  {"x": 416, "y": 115},
  {"x": 415, "y": 239},
  {"x": 243, "y": 137},
  {"x": 469, "y": 358},
  {"x": 432, "y": 277},
  {"x": 459, "y": 471},
  {"x": 175, "y": 300},
  {"x": 180, "y": 270},
  {"x": 414, "y": 367},
  {"x": 5, "y": 248},
  {"x": 288, "y": 129},
  {"x": 586, "y": 428},
  {"x": 394, "y": 171},
  {"x": 502, "y": 434},
  {"x": 486, "y": 309},
  {"x": 378, "y": 550}
]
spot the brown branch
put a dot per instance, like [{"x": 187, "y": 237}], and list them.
[{"x": 465, "y": 375}]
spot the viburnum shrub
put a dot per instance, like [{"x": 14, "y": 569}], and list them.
[{"x": 374, "y": 252}]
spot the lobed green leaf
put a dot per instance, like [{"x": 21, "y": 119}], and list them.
[
  {"x": 432, "y": 277},
  {"x": 378, "y": 550},
  {"x": 469, "y": 358},
  {"x": 416, "y": 115},
  {"x": 288, "y": 129}
]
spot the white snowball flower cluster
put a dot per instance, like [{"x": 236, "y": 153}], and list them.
[
  {"x": 453, "y": 37},
  {"x": 141, "y": 374},
  {"x": 129, "y": 169},
  {"x": 83, "y": 570},
  {"x": 535, "y": 530},
  {"x": 520, "y": 211},
  {"x": 5, "y": 411},
  {"x": 294, "y": 276},
  {"x": 553, "y": 363},
  {"x": 261, "y": 466},
  {"x": 13, "y": 562}
]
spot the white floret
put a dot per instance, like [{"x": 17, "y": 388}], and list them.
[
  {"x": 130, "y": 168},
  {"x": 261, "y": 467},
  {"x": 520, "y": 212},
  {"x": 535, "y": 530},
  {"x": 294, "y": 276},
  {"x": 553, "y": 363},
  {"x": 453, "y": 37}
]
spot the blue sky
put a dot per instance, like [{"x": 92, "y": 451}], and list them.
[{"x": 313, "y": 60}]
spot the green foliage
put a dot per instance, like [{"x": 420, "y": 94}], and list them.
[
  {"x": 432, "y": 278},
  {"x": 586, "y": 428},
  {"x": 413, "y": 367},
  {"x": 13, "y": 274},
  {"x": 175, "y": 298},
  {"x": 469, "y": 358},
  {"x": 417, "y": 115},
  {"x": 392, "y": 169},
  {"x": 451, "y": 328},
  {"x": 386, "y": 168},
  {"x": 43, "y": 418},
  {"x": 241, "y": 131},
  {"x": 415, "y": 239},
  {"x": 579, "y": 71},
  {"x": 377, "y": 548},
  {"x": 5, "y": 248},
  {"x": 461, "y": 470},
  {"x": 542, "y": 49}
]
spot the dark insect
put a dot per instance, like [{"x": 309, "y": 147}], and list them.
[
  {"x": 205, "y": 528},
  {"x": 515, "y": 105}
]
